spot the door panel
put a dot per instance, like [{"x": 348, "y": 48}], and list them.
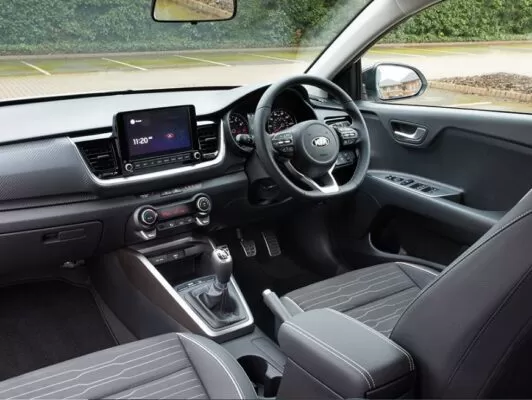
[{"x": 484, "y": 158}]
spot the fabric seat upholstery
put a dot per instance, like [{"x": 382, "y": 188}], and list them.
[
  {"x": 170, "y": 366},
  {"x": 376, "y": 296}
]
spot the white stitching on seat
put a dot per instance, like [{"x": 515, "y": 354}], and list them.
[
  {"x": 357, "y": 294},
  {"x": 293, "y": 302},
  {"x": 418, "y": 267},
  {"x": 334, "y": 352},
  {"x": 237, "y": 386},
  {"x": 341, "y": 285},
  {"x": 377, "y": 321},
  {"x": 380, "y": 306},
  {"x": 408, "y": 356},
  {"x": 110, "y": 379},
  {"x": 129, "y": 393},
  {"x": 106, "y": 379},
  {"x": 171, "y": 395},
  {"x": 377, "y": 279},
  {"x": 152, "y": 395},
  {"x": 94, "y": 367}
]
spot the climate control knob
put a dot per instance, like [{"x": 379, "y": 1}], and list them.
[
  {"x": 203, "y": 204},
  {"x": 148, "y": 216}
]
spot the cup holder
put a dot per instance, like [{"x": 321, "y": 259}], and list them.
[{"x": 262, "y": 375}]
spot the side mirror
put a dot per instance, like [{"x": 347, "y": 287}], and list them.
[
  {"x": 387, "y": 81},
  {"x": 193, "y": 10}
]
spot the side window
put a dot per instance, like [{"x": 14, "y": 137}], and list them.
[{"x": 473, "y": 54}]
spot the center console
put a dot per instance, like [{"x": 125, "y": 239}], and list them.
[
  {"x": 331, "y": 355},
  {"x": 191, "y": 280}
]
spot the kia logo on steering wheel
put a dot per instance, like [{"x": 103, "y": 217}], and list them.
[{"x": 320, "y": 141}]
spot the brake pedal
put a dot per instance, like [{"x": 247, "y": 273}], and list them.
[
  {"x": 249, "y": 246},
  {"x": 272, "y": 243}
]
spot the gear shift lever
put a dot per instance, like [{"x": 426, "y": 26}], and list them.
[
  {"x": 216, "y": 299},
  {"x": 222, "y": 265}
]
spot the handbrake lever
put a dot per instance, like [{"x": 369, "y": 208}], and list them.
[{"x": 273, "y": 302}]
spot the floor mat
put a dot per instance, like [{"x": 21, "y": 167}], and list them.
[{"x": 44, "y": 323}]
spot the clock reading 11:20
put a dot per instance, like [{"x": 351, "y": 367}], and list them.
[{"x": 142, "y": 140}]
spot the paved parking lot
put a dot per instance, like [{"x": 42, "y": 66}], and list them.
[{"x": 48, "y": 75}]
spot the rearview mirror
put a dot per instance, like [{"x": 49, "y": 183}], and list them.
[
  {"x": 393, "y": 81},
  {"x": 193, "y": 10}
]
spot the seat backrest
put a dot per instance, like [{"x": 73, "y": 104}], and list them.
[{"x": 470, "y": 330}]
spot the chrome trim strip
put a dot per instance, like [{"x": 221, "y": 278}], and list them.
[
  {"x": 186, "y": 307},
  {"x": 328, "y": 189},
  {"x": 122, "y": 181},
  {"x": 90, "y": 138}
]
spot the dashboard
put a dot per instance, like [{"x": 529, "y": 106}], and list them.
[{"x": 78, "y": 165}]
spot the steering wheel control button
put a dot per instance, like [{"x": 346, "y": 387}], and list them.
[
  {"x": 348, "y": 135},
  {"x": 203, "y": 204},
  {"x": 284, "y": 143},
  {"x": 148, "y": 216}
]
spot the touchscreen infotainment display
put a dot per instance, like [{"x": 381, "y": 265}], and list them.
[{"x": 150, "y": 133}]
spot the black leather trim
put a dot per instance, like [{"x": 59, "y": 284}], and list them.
[
  {"x": 464, "y": 324},
  {"x": 344, "y": 354}
]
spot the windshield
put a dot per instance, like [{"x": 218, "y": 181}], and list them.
[{"x": 56, "y": 47}]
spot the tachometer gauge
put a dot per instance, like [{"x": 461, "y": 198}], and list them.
[
  {"x": 279, "y": 119},
  {"x": 238, "y": 124}
]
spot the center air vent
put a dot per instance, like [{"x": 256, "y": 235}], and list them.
[
  {"x": 338, "y": 121},
  {"x": 100, "y": 155},
  {"x": 208, "y": 141}
]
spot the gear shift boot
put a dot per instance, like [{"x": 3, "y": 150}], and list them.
[
  {"x": 215, "y": 298},
  {"x": 220, "y": 309}
]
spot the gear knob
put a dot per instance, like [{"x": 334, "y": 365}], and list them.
[{"x": 222, "y": 265}]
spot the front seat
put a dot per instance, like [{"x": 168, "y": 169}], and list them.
[
  {"x": 469, "y": 329},
  {"x": 376, "y": 295},
  {"x": 170, "y": 366}
]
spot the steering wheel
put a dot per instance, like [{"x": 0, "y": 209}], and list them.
[{"x": 307, "y": 152}]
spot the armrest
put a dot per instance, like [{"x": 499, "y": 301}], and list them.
[{"x": 334, "y": 356}]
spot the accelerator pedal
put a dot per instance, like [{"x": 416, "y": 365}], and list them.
[{"x": 272, "y": 243}]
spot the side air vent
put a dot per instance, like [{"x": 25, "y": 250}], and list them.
[
  {"x": 338, "y": 121},
  {"x": 208, "y": 141},
  {"x": 100, "y": 155}
]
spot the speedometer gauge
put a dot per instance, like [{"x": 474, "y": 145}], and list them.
[
  {"x": 279, "y": 119},
  {"x": 238, "y": 124}
]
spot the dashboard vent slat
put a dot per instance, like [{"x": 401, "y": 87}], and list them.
[
  {"x": 208, "y": 141},
  {"x": 338, "y": 121},
  {"x": 100, "y": 155}
]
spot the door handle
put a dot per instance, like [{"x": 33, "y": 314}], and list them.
[{"x": 415, "y": 137}]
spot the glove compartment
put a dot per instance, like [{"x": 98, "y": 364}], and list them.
[{"x": 48, "y": 246}]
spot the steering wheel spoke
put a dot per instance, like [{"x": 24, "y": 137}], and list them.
[
  {"x": 328, "y": 182},
  {"x": 349, "y": 135},
  {"x": 284, "y": 144}
]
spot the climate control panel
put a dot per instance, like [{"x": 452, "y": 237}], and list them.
[{"x": 151, "y": 221}]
